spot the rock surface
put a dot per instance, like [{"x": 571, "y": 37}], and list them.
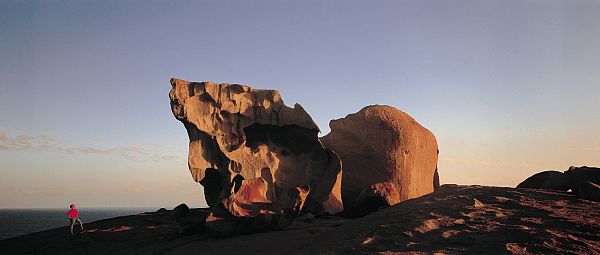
[
  {"x": 382, "y": 144},
  {"x": 455, "y": 220},
  {"x": 253, "y": 154}
]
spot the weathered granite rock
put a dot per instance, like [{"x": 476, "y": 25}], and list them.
[
  {"x": 553, "y": 180},
  {"x": 382, "y": 144},
  {"x": 254, "y": 155}
]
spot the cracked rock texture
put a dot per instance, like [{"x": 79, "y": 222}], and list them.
[
  {"x": 253, "y": 154},
  {"x": 381, "y": 144}
]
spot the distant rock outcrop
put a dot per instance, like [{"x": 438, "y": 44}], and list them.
[
  {"x": 589, "y": 190},
  {"x": 180, "y": 211},
  {"x": 583, "y": 181},
  {"x": 254, "y": 155},
  {"x": 380, "y": 144},
  {"x": 189, "y": 221},
  {"x": 553, "y": 180}
]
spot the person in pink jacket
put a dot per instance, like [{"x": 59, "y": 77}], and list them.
[{"x": 73, "y": 217}]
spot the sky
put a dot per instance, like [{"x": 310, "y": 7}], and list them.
[{"x": 509, "y": 88}]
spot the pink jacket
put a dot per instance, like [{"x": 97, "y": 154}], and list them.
[{"x": 73, "y": 213}]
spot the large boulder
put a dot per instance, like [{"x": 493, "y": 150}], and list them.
[
  {"x": 381, "y": 144},
  {"x": 553, "y": 180},
  {"x": 253, "y": 154}
]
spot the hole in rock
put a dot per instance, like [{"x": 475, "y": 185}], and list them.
[
  {"x": 212, "y": 183},
  {"x": 237, "y": 183},
  {"x": 291, "y": 138}
]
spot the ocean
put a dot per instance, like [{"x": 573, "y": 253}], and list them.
[{"x": 16, "y": 222}]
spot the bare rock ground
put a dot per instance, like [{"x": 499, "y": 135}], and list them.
[{"x": 454, "y": 220}]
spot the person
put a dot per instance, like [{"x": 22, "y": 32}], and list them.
[{"x": 73, "y": 217}]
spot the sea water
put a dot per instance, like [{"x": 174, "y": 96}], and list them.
[{"x": 16, "y": 222}]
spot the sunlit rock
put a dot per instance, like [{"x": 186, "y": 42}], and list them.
[
  {"x": 253, "y": 154},
  {"x": 380, "y": 144}
]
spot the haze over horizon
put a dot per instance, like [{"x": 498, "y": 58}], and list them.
[{"x": 509, "y": 88}]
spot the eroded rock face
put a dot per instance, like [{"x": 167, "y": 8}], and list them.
[
  {"x": 253, "y": 154},
  {"x": 380, "y": 144}
]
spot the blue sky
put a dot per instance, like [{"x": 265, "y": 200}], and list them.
[{"x": 508, "y": 87}]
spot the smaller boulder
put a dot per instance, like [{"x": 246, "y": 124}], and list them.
[
  {"x": 162, "y": 210},
  {"x": 180, "y": 211},
  {"x": 553, "y": 180},
  {"x": 377, "y": 195}
]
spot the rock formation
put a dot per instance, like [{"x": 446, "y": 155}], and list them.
[
  {"x": 189, "y": 221},
  {"x": 385, "y": 153},
  {"x": 553, "y": 180},
  {"x": 256, "y": 158},
  {"x": 579, "y": 178},
  {"x": 583, "y": 181},
  {"x": 589, "y": 191}
]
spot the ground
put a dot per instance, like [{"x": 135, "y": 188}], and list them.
[{"x": 455, "y": 220}]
